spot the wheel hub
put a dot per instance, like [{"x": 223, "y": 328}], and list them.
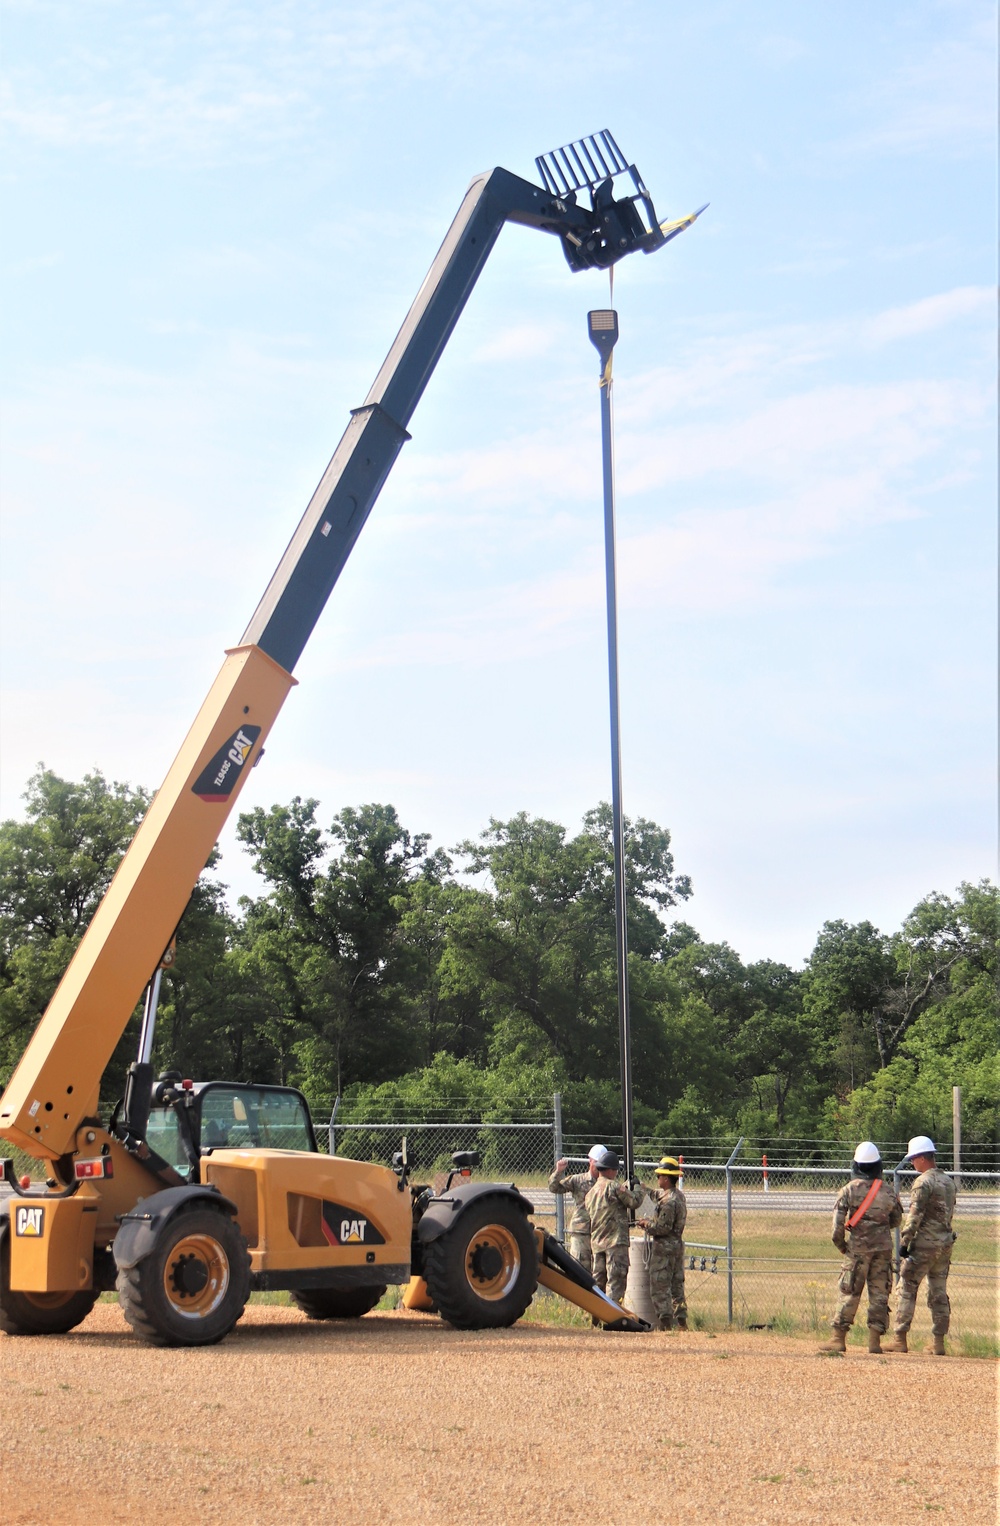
[
  {"x": 196, "y": 1275},
  {"x": 493, "y": 1261},
  {"x": 487, "y": 1263},
  {"x": 189, "y": 1275}
]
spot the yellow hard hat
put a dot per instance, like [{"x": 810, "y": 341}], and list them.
[{"x": 668, "y": 1167}]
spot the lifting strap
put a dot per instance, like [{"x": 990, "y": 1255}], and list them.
[{"x": 859, "y": 1213}]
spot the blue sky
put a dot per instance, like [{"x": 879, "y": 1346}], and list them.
[{"x": 216, "y": 216}]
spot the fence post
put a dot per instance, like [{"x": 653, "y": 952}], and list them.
[
  {"x": 557, "y": 1148},
  {"x": 333, "y": 1131},
  {"x": 895, "y": 1233},
  {"x": 956, "y": 1125},
  {"x": 729, "y": 1222}
]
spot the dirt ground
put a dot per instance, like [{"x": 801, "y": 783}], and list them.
[{"x": 396, "y": 1418}]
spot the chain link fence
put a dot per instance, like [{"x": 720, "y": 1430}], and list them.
[
  {"x": 522, "y": 1153},
  {"x": 757, "y": 1244},
  {"x": 759, "y": 1254}
]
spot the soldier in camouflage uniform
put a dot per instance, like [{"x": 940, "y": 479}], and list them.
[
  {"x": 577, "y": 1187},
  {"x": 925, "y": 1242},
  {"x": 866, "y": 1212},
  {"x": 607, "y": 1204},
  {"x": 666, "y": 1261}
]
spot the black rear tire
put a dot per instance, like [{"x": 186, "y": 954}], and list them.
[
  {"x": 337, "y": 1303},
  {"x": 37, "y": 1313},
  {"x": 193, "y": 1286},
  {"x": 482, "y": 1273}
]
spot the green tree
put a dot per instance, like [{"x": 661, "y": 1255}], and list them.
[
  {"x": 848, "y": 980},
  {"x": 325, "y": 942},
  {"x": 774, "y": 1044},
  {"x": 540, "y": 943},
  {"x": 55, "y": 866},
  {"x": 944, "y": 1010}
]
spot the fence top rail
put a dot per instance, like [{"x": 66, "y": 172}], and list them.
[
  {"x": 978, "y": 1155},
  {"x": 744, "y": 1169},
  {"x": 397, "y": 1128}
]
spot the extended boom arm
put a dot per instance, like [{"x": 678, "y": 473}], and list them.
[{"x": 56, "y": 1085}]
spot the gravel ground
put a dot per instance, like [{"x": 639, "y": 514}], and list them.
[{"x": 396, "y": 1418}]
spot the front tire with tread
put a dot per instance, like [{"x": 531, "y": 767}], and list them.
[
  {"x": 482, "y": 1274},
  {"x": 193, "y": 1286},
  {"x": 37, "y": 1313}
]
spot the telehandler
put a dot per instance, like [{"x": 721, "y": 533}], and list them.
[{"x": 193, "y": 1195}]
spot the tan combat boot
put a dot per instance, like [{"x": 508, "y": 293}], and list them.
[
  {"x": 875, "y": 1342},
  {"x": 837, "y": 1342},
  {"x": 898, "y": 1342},
  {"x": 939, "y": 1346}
]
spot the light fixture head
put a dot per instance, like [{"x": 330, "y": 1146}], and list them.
[{"x": 602, "y": 326}]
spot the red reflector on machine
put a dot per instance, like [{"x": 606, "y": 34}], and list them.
[{"x": 103, "y": 1166}]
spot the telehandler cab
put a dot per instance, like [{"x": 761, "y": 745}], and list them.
[{"x": 191, "y": 1196}]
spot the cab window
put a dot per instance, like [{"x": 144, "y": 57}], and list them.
[
  {"x": 163, "y": 1136},
  {"x": 253, "y": 1117}
]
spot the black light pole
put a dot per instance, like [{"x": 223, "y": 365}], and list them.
[{"x": 603, "y": 329}]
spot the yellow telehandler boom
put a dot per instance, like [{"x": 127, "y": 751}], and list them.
[{"x": 182, "y": 1226}]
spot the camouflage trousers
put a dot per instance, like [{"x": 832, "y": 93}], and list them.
[
  {"x": 579, "y": 1249},
  {"x": 864, "y": 1266},
  {"x": 666, "y": 1281},
  {"x": 934, "y": 1263},
  {"x": 611, "y": 1270}
]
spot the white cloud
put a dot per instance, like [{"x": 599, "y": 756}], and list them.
[{"x": 933, "y": 313}]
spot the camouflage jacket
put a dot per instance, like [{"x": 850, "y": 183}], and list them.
[
  {"x": 607, "y": 1205},
  {"x": 932, "y": 1204},
  {"x": 578, "y": 1186},
  {"x": 670, "y": 1214},
  {"x": 882, "y": 1215}
]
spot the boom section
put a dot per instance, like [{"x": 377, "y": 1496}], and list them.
[
  {"x": 56, "y": 1085},
  {"x": 325, "y": 537}
]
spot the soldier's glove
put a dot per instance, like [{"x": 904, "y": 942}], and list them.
[{"x": 842, "y": 1247}]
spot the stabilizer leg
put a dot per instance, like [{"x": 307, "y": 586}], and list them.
[{"x": 562, "y": 1274}]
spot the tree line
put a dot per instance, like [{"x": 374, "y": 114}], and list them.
[{"x": 397, "y": 975}]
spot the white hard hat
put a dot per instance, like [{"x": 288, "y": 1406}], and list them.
[
  {"x": 596, "y": 1151},
  {"x": 866, "y": 1154},
  {"x": 920, "y": 1145}
]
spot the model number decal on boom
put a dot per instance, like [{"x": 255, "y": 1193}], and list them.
[
  {"x": 217, "y": 779},
  {"x": 344, "y": 1226}
]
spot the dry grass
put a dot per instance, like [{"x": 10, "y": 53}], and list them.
[{"x": 786, "y": 1270}]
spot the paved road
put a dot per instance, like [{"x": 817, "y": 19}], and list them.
[
  {"x": 978, "y": 1205},
  {"x": 981, "y": 1205}
]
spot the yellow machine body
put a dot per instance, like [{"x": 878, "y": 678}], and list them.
[
  {"x": 302, "y": 1212},
  {"x": 52, "y": 1243},
  {"x": 417, "y": 1298},
  {"x": 58, "y": 1079},
  {"x": 51, "y": 1267}
]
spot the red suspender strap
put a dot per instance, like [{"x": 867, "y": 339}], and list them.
[{"x": 859, "y": 1214}]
